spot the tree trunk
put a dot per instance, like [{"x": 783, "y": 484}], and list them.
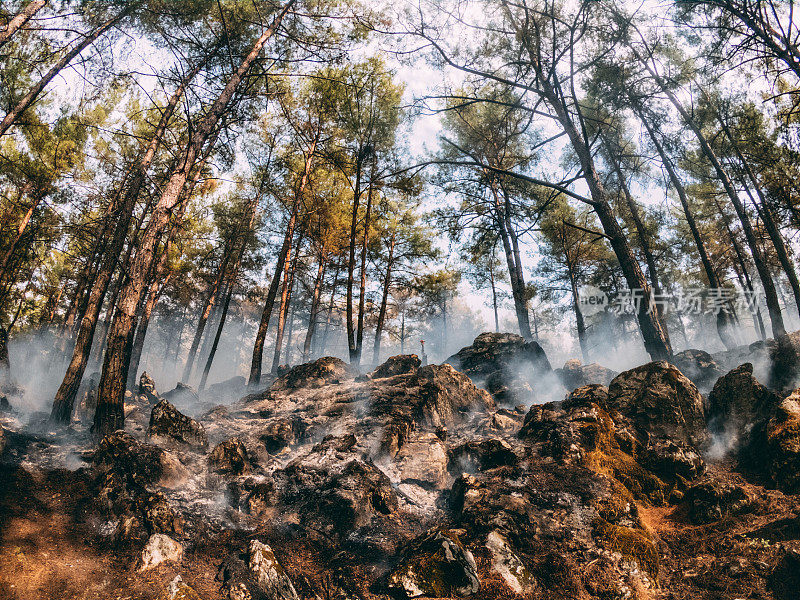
[
  {"x": 213, "y": 351},
  {"x": 20, "y": 19},
  {"x": 286, "y": 295},
  {"x": 362, "y": 290},
  {"x": 65, "y": 396},
  {"x": 579, "y": 321},
  {"x": 387, "y": 284},
  {"x": 723, "y": 322},
  {"x": 759, "y": 259},
  {"x": 315, "y": 298},
  {"x": 14, "y": 114},
  {"x": 768, "y": 218},
  {"x": 23, "y": 224},
  {"x": 330, "y": 310},
  {"x": 512, "y": 260},
  {"x": 109, "y": 415},
  {"x": 351, "y": 265}
]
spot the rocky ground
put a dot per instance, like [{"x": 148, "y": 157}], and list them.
[{"x": 491, "y": 476}]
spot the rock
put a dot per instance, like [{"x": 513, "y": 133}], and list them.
[
  {"x": 278, "y": 434},
  {"x": 784, "y": 358},
  {"x": 230, "y": 458},
  {"x": 574, "y": 375},
  {"x": 659, "y": 400},
  {"x": 397, "y": 365},
  {"x": 178, "y": 590},
  {"x": 315, "y": 374},
  {"x": 505, "y": 363},
  {"x": 736, "y": 403},
  {"x": 182, "y": 395},
  {"x": 782, "y": 445},
  {"x": 699, "y": 366},
  {"x": 479, "y": 455},
  {"x": 269, "y": 574},
  {"x": 147, "y": 388},
  {"x": 665, "y": 414},
  {"x": 508, "y": 565},
  {"x": 140, "y": 464},
  {"x": 436, "y": 396},
  {"x": 423, "y": 460},
  {"x": 337, "y": 496},
  {"x": 2, "y": 440},
  {"x": 255, "y": 575},
  {"x": 169, "y": 424},
  {"x": 438, "y": 566},
  {"x": 160, "y": 548},
  {"x": 5, "y": 405},
  {"x": 710, "y": 500}
]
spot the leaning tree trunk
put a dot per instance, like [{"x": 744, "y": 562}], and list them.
[
  {"x": 65, "y": 396},
  {"x": 286, "y": 296},
  {"x": 261, "y": 335},
  {"x": 722, "y": 317},
  {"x": 387, "y": 285},
  {"x": 239, "y": 248},
  {"x": 651, "y": 326},
  {"x": 20, "y": 19},
  {"x": 109, "y": 415},
  {"x": 768, "y": 219},
  {"x": 770, "y": 294},
  {"x": 25, "y": 102}
]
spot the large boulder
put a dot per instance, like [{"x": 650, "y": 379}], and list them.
[
  {"x": 437, "y": 566},
  {"x": 665, "y": 415},
  {"x": 397, "y": 365},
  {"x": 159, "y": 548},
  {"x": 137, "y": 463},
  {"x": 147, "y": 388},
  {"x": 168, "y": 424},
  {"x": 434, "y": 397},
  {"x": 736, "y": 403},
  {"x": 506, "y": 365},
  {"x": 782, "y": 445},
  {"x": 574, "y": 375},
  {"x": 323, "y": 371},
  {"x": 699, "y": 366}
]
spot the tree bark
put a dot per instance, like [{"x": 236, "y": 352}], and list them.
[
  {"x": 767, "y": 217},
  {"x": 512, "y": 260},
  {"x": 14, "y": 114},
  {"x": 723, "y": 321},
  {"x": 387, "y": 284},
  {"x": 65, "y": 396},
  {"x": 771, "y": 296},
  {"x": 20, "y": 19},
  {"x": 286, "y": 295},
  {"x": 109, "y": 415},
  {"x": 315, "y": 298},
  {"x": 351, "y": 265},
  {"x": 362, "y": 290},
  {"x": 272, "y": 292}
]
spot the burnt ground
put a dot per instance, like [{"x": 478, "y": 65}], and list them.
[{"x": 413, "y": 482}]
